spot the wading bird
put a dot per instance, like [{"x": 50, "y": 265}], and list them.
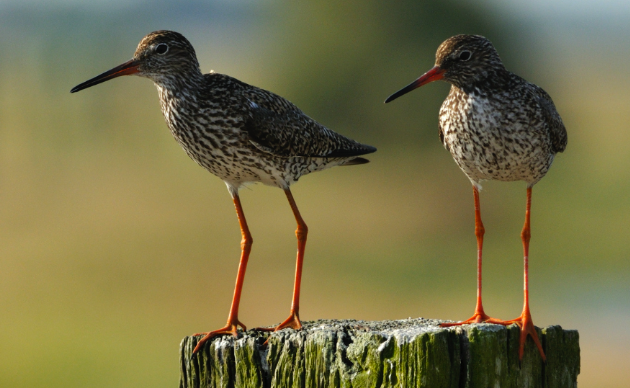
[
  {"x": 240, "y": 133},
  {"x": 496, "y": 126}
]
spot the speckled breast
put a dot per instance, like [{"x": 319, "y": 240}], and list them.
[{"x": 495, "y": 139}]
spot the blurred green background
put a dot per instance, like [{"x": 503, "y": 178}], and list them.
[{"x": 115, "y": 245}]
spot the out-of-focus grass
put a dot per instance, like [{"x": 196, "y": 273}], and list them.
[{"x": 115, "y": 245}]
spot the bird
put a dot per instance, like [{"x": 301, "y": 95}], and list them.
[
  {"x": 240, "y": 133},
  {"x": 497, "y": 126}
]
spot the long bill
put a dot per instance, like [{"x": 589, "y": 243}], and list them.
[
  {"x": 127, "y": 68},
  {"x": 434, "y": 74}
]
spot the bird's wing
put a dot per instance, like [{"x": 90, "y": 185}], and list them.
[
  {"x": 278, "y": 127},
  {"x": 557, "y": 131},
  {"x": 292, "y": 133}
]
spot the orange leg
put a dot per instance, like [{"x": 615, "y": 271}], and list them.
[
  {"x": 246, "y": 246},
  {"x": 293, "y": 321},
  {"x": 480, "y": 315},
  {"x": 525, "y": 320}
]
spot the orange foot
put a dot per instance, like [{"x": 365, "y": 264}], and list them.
[
  {"x": 527, "y": 327},
  {"x": 479, "y": 317},
  {"x": 293, "y": 322},
  {"x": 230, "y": 328}
]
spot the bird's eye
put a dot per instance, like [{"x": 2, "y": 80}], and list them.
[
  {"x": 465, "y": 55},
  {"x": 161, "y": 48}
]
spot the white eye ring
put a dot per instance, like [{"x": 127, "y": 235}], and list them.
[
  {"x": 161, "y": 48},
  {"x": 465, "y": 55}
]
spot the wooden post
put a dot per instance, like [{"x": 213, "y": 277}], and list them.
[{"x": 409, "y": 353}]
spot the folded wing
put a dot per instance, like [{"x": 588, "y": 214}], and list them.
[{"x": 290, "y": 132}]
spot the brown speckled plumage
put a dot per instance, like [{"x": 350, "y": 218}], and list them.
[
  {"x": 494, "y": 123},
  {"x": 497, "y": 126},
  {"x": 238, "y": 132}
]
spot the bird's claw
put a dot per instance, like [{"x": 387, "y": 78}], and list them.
[
  {"x": 292, "y": 322},
  {"x": 230, "y": 328},
  {"x": 478, "y": 317},
  {"x": 526, "y": 324}
]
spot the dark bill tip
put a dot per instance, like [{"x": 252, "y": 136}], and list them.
[
  {"x": 127, "y": 68},
  {"x": 405, "y": 90},
  {"x": 432, "y": 75}
]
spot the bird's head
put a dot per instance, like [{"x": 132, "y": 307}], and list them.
[
  {"x": 161, "y": 56},
  {"x": 462, "y": 60}
]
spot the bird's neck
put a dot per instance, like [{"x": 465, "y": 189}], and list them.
[
  {"x": 176, "y": 85},
  {"x": 487, "y": 80},
  {"x": 177, "y": 93}
]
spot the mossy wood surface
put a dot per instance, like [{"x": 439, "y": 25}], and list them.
[{"x": 410, "y": 353}]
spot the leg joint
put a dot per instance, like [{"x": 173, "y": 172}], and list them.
[
  {"x": 479, "y": 230},
  {"x": 526, "y": 235},
  {"x": 247, "y": 240},
  {"x": 301, "y": 232}
]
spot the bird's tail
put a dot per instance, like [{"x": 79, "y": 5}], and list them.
[{"x": 356, "y": 161}]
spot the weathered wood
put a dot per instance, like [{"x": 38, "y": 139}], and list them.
[{"x": 410, "y": 353}]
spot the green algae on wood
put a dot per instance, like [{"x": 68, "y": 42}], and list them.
[
  {"x": 563, "y": 356},
  {"x": 386, "y": 354}
]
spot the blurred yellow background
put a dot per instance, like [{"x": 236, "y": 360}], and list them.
[{"x": 114, "y": 245}]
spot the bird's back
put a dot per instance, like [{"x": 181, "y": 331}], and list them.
[{"x": 242, "y": 133}]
